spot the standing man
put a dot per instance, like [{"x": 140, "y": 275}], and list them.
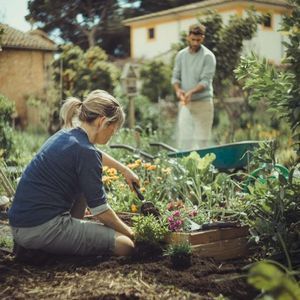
[{"x": 192, "y": 79}]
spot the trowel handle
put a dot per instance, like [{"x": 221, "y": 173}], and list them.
[{"x": 138, "y": 191}]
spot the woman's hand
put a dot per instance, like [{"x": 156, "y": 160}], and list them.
[{"x": 130, "y": 177}]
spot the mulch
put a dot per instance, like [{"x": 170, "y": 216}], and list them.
[{"x": 120, "y": 278}]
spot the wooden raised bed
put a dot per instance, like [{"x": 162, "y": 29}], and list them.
[{"x": 221, "y": 244}]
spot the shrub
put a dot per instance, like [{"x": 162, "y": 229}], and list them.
[
  {"x": 156, "y": 77},
  {"x": 7, "y": 108},
  {"x": 149, "y": 229}
]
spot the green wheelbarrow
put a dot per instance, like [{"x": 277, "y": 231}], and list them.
[{"x": 228, "y": 156}]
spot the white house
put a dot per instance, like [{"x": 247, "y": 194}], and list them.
[{"x": 152, "y": 35}]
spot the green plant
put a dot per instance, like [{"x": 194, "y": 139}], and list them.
[
  {"x": 7, "y": 108},
  {"x": 156, "y": 80},
  {"x": 180, "y": 254},
  {"x": 180, "y": 249},
  {"x": 149, "y": 229},
  {"x": 274, "y": 280},
  {"x": 81, "y": 72},
  {"x": 279, "y": 88},
  {"x": 273, "y": 206},
  {"x": 6, "y": 242}
]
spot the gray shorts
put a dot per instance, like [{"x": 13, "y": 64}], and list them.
[{"x": 66, "y": 235}]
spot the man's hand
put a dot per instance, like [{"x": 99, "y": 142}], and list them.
[
  {"x": 188, "y": 97},
  {"x": 180, "y": 94}
]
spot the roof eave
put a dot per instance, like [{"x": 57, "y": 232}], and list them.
[
  {"x": 27, "y": 48},
  {"x": 202, "y": 5}
]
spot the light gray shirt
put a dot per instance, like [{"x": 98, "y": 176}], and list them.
[{"x": 191, "y": 69}]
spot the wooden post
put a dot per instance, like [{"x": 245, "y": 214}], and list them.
[
  {"x": 131, "y": 114},
  {"x": 129, "y": 79}
]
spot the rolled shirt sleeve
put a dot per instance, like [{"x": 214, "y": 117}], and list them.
[
  {"x": 176, "y": 76},
  {"x": 209, "y": 70},
  {"x": 89, "y": 172}
]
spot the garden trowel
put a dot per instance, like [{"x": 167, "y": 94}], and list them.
[
  {"x": 207, "y": 226},
  {"x": 147, "y": 207}
]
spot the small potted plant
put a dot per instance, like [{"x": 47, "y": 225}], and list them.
[
  {"x": 180, "y": 254},
  {"x": 150, "y": 234}
]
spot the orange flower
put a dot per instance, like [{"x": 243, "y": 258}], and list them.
[
  {"x": 112, "y": 171},
  {"x": 106, "y": 180},
  {"x": 133, "y": 208},
  {"x": 149, "y": 167},
  {"x": 166, "y": 171},
  {"x": 133, "y": 166}
]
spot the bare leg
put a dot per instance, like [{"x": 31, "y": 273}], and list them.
[{"x": 79, "y": 207}]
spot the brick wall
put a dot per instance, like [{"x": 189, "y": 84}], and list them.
[{"x": 23, "y": 73}]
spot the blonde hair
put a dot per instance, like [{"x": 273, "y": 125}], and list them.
[{"x": 97, "y": 103}]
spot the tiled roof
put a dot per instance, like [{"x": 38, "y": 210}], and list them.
[
  {"x": 34, "y": 40},
  {"x": 204, "y": 5}
]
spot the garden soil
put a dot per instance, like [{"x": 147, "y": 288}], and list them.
[{"x": 121, "y": 278}]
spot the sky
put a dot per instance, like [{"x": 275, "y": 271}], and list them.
[{"x": 13, "y": 12}]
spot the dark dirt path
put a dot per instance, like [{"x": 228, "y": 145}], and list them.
[{"x": 120, "y": 278}]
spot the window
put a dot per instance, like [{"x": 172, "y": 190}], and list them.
[
  {"x": 151, "y": 33},
  {"x": 267, "y": 22}
]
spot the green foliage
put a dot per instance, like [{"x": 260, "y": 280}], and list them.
[
  {"x": 7, "y": 109},
  {"x": 81, "y": 23},
  {"x": 156, "y": 80},
  {"x": 275, "y": 282},
  {"x": 273, "y": 206},
  {"x": 280, "y": 89},
  {"x": 1, "y": 33},
  {"x": 263, "y": 82},
  {"x": 26, "y": 144},
  {"x": 84, "y": 71},
  {"x": 148, "y": 229},
  {"x": 178, "y": 250},
  {"x": 6, "y": 243}
]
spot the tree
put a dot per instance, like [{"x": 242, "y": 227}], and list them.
[
  {"x": 84, "y": 23},
  {"x": 80, "y": 72},
  {"x": 88, "y": 23},
  {"x": 76, "y": 73},
  {"x": 156, "y": 80}
]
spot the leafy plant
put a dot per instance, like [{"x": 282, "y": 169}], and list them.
[
  {"x": 81, "y": 72},
  {"x": 148, "y": 229},
  {"x": 156, "y": 80},
  {"x": 178, "y": 250},
  {"x": 180, "y": 254},
  {"x": 273, "y": 206},
  {"x": 274, "y": 280},
  {"x": 279, "y": 88},
  {"x": 7, "y": 109}
]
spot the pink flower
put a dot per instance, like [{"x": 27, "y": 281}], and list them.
[
  {"x": 170, "y": 219},
  {"x": 176, "y": 213},
  {"x": 193, "y": 213}
]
